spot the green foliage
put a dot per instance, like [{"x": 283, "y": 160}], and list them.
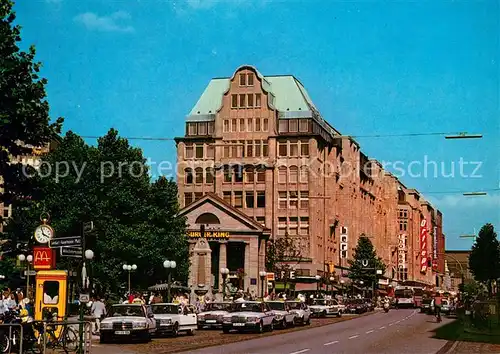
[
  {"x": 484, "y": 260},
  {"x": 365, "y": 251},
  {"x": 134, "y": 220},
  {"x": 281, "y": 253},
  {"x": 24, "y": 111}
]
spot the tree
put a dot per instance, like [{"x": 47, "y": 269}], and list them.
[
  {"x": 281, "y": 256},
  {"x": 484, "y": 259},
  {"x": 365, "y": 262},
  {"x": 24, "y": 110},
  {"x": 135, "y": 220}
]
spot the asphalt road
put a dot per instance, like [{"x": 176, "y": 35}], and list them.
[{"x": 399, "y": 331}]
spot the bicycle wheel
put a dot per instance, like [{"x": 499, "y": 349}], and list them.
[
  {"x": 70, "y": 340},
  {"x": 4, "y": 343}
]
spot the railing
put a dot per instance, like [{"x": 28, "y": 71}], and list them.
[{"x": 11, "y": 335}]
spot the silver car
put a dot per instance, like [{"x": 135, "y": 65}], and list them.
[
  {"x": 213, "y": 314},
  {"x": 302, "y": 312}
]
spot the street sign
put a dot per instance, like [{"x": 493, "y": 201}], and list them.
[
  {"x": 71, "y": 252},
  {"x": 84, "y": 298},
  {"x": 32, "y": 272},
  {"x": 75, "y": 241}
]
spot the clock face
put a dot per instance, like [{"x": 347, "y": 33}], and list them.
[{"x": 44, "y": 233}]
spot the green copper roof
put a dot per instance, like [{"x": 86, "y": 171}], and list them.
[{"x": 290, "y": 96}]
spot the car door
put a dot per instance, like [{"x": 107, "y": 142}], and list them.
[{"x": 268, "y": 314}]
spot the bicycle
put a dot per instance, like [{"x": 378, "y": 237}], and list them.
[{"x": 66, "y": 338}]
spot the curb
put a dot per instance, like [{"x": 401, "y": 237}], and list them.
[{"x": 453, "y": 347}]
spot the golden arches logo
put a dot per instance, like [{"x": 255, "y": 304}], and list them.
[{"x": 42, "y": 256}]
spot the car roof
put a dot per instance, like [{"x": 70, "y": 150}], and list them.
[
  {"x": 135, "y": 305},
  {"x": 164, "y": 303}
]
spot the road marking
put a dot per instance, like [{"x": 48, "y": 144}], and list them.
[
  {"x": 352, "y": 337},
  {"x": 368, "y": 332},
  {"x": 330, "y": 343},
  {"x": 382, "y": 327},
  {"x": 301, "y": 351},
  {"x": 390, "y": 324},
  {"x": 397, "y": 321}
]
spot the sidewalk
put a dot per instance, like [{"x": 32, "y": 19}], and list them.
[{"x": 473, "y": 347}]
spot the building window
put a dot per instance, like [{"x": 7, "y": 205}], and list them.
[
  {"x": 226, "y": 125},
  {"x": 257, "y": 148},
  {"x": 282, "y": 148},
  {"x": 265, "y": 125},
  {"x": 209, "y": 175},
  {"x": 234, "y": 101},
  {"x": 198, "y": 196},
  {"x": 304, "y": 225},
  {"x": 238, "y": 199},
  {"x": 249, "y": 199},
  {"x": 188, "y": 173},
  {"x": 238, "y": 174},
  {"x": 210, "y": 151},
  {"x": 241, "y": 148},
  {"x": 191, "y": 128},
  {"x": 234, "y": 124},
  {"x": 304, "y": 199},
  {"x": 282, "y": 200},
  {"x": 257, "y": 99},
  {"x": 202, "y": 128},
  {"x": 304, "y": 148},
  {"x": 261, "y": 199},
  {"x": 189, "y": 151},
  {"x": 227, "y": 174},
  {"x": 293, "y": 126},
  {"x": 283, "y": 126},
  {"x": 257, "y": 124},
  {"x": 249, "y": 79},
  {"x": 265, "y": 149},
  {"x": 249, "y": 125},
  {"x": 294, "y": 148},
  {"x": 294, "y": 174},
  {"x": 198, "y": 174},
  {"x": 242, "y": 124},
  {"x": 304, "y": 174},
  {"x": 282, "y": 172},
  {"x": 210, "y": 128},
  {"x": 243, "y": 81},
  {"x": 234, "y": 149},
  {"x": 249, "y": 174},
  {"x": 261, "y": 220},
  {"x": 199, "y": 151},
  {"x": 261, "y": 175},
  {"x": 250, "y": 148},
  {"x": 281, "y": 231},
  {"x": 304, "y": 125},
  {"x": 250, "y": 100},
  {"x": 282, "y": 221},
  {"x": 403, "y": 225},
  {"x": 293, "y": 200},
  {"x": 227, "y": 197},
  {"x": 293, "y": 225},
  {"x": 225, "y": 151},
  {"x": 243, "y": 100},
  {"x": 188, "y": 198}
]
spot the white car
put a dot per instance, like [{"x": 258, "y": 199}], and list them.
[
  {"x": 126, "y": 321},
  {"x": 324, "y": 307},
  {"x": 249, "y": 316},
  {"x": 213, "y": 314},
  {"x": 283, "y": 317},
  {"x": 174, "y": 318},
  {"x": 302, "y": 312}
]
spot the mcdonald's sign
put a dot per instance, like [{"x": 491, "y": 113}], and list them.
[{"x": 43, "y": 258}]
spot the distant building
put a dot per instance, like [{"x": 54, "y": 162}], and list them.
[{"x": 457, "y": 268}]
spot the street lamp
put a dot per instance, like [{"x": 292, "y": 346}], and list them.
[
  {"x": 262, "y": 275},
  {"x": 342, "y": 281},
  {"x": 89, "y": 254},
  {"x": 361, "y": 283},
  {"x": 28, "y": 259},
  {"x": 169, "y": 265},
  {"x": 224, "y": 272},
  {"x": 317, "y": 277},
  {"x": 332, "y": 279},
  {"x": 129, "y": 268}
]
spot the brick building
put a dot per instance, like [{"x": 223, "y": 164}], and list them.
[{"x": 261, "y": 145}]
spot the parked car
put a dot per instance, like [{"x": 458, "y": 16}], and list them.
[
  {"x": 357, "y": 306},
  {"x": 249, "y": 316},
  {"x": 283, "y": 317},
  {"x": 426, "y": 306},
  {"x": 325, "y": 307},
  {"x": 213, "y": 314},
  {"x": 174, "y": 318},
  {"x": 128, "y": 321},
  {"x": 302, "y": 312}
]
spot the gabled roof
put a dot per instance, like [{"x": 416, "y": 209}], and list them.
[{"x": 219, "y": 203}]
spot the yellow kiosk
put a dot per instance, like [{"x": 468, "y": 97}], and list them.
[{"x": 51, "y": 295}]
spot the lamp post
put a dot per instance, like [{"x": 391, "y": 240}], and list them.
[
  {"x": 332, "y": 279},
  {"x": 129, "y": 268},
  {"x": 168, "y": 265},
  {"x": 224, "y": 272},
  {"x": 317, "y": 277},
  {"x": 89, "y": 254},
  {"x": 375, "y": 281},
  {"x": 361, "y": 283},
  {"x": 262, "y": 275},
  {"x": 28, "y": 259},
  {"x": 342, "y": 281}
]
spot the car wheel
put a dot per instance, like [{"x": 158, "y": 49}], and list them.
[
  {"x": 190, "y": 332},
  {"x": 225, "y": 330},
  {"x": 200, "y": 327},
  {"x": 323, "y": 314},
  {"x": 260, "y": 328},
  {"x": 339, "y": 314},
  {"x": 271, "y": 327},
  {"x": 146, "y": 337},
  {"x": 284, "y": 324},
  {"x": 308, "y": 322},
  {"x": 175, "y": 330}
]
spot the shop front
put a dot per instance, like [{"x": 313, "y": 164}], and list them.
[{"x": 222, "y": 237}]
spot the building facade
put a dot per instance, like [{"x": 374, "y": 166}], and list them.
[{"x": 260, "y": 145}]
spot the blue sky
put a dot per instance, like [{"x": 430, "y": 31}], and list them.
[{"x": 371, "y": 67}]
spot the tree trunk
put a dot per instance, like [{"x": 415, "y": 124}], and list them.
[{"x": 489, "y": 288}]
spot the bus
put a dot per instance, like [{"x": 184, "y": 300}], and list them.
[{"x": 408, "y": 296}]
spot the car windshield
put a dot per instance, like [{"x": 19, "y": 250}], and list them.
[
  {"x": 319, "y": 302},
  {"x": 280, "y": 306},
  {"x": 165, "y": 309},
  {"x": 247, "y": 307},
  {"x": 218, "y": 306},
  {"x": 294, "y": 305},
  {"x": 118, "y": 311}
]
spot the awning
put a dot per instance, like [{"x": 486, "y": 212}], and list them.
[{"x": 306, "y": 287}]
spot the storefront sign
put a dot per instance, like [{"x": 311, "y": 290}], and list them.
[
  {"x": 43, "y": 258},
  {"x": 401, "y": 251},
  {"x": 435, "y": 243},
  {"x": 209, "y": 234},
  {"x": 423, "y": 246}
]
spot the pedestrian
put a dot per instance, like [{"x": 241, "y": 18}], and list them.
[
  {"x": 98, "y": 311},
  {"x": 437, "y": 305}
]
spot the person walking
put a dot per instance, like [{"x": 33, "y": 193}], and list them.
[
  {"x": 437, "y": 306},
  {"x": 98, "y": 311}
]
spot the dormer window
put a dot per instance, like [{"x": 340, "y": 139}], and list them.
[
  {"x": 250, "y": 79},
  {"x": 243, "y": 79}
]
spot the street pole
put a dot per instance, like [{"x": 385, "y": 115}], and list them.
[
  {"x": 168, "y": 286},
  {"x": 128, "y": 282},
  {"x": 27, "y": 277},
  {"x": 81, "y": 315}
]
